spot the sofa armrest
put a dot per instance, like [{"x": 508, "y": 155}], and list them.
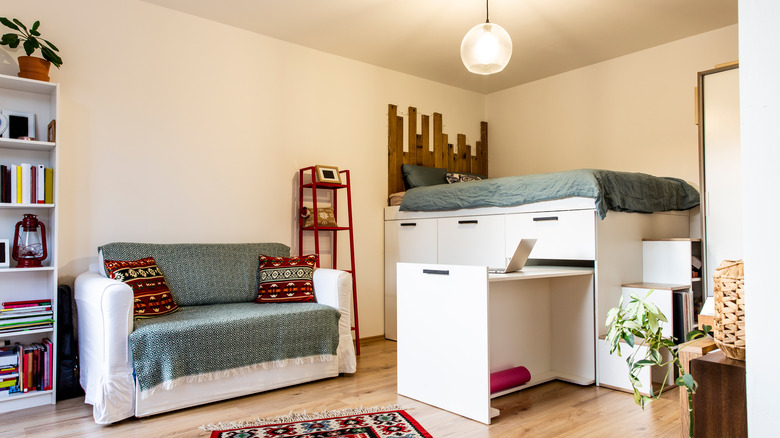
[
  {"x": 334, "y": 288},
  {"x": 105, "y": 321}
]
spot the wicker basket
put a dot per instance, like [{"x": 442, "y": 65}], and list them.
[{"x": 729, "y": 295}]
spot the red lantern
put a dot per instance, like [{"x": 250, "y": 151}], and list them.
[{"x": 30, "y": 244}]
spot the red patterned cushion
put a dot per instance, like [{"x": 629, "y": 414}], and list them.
[
  {"x": 150, "y": 292},
  {"x": 286, "y": 279}
]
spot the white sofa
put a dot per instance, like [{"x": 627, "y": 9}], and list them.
[{"x": 105, "y": 322}]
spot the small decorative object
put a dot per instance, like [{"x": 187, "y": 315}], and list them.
[
  {"x": 30, "y": 243},
  {"x": 729, "y": 294},
  {"x": 4, "y": 259},
  {"x": 51, "y": 131},
  {"x": 325, "y": 217},
  {"x": 639, "y": 323},
  {"x": 3, "y": 124},
  {"x": 31, "y": 67},
  {"x": 328, "y": 174},
  {"x": 19, "y": 124}
]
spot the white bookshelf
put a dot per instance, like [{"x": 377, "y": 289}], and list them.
[{"x": 41, "y": 99}]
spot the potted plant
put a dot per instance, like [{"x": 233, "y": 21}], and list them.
[
  {"x": 31, "y": 67},
  {"x": 639, "y": 324}
]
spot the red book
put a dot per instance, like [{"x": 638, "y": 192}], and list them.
[
  {"x": 28, "y": 303},
  {"x": 33, "y": 184}
]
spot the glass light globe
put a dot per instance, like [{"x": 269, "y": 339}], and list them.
[{"x": 486, "y": 49}]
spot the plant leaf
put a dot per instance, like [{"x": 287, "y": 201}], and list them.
[
  {"x": 53, "y": 47},
  {"x": 35, "y": 27},
  {"x": 22, "y": 26},
  {"x": 51, "y": 56},
  {"x": 10, "y": 38},
  {"x": 30, "y": 45},
  {"x": 8, "y": 23}
]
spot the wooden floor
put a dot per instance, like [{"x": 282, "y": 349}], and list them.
[{"x": 554, "y": 409}]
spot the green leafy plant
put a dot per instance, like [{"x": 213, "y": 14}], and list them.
[
  {"x": 639, "y": 323},
  {"x": 30, "y": 39}
]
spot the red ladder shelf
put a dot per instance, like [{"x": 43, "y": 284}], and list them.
[{"x": 316, "y": 228}]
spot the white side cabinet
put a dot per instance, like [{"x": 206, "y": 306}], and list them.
[{"x": 20, "y": 284}]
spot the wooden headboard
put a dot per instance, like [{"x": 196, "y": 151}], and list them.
[{"x": 420, "y": 153}]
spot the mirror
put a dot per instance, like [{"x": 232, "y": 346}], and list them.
[{"x": 720, "y": 168}]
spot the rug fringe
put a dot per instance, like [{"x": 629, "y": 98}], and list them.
[{"x": 302, "y": 416}]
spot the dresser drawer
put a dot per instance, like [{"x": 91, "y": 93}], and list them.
[
  {"x": 472, "y": 240},
  {"x": 569, "y": 235}
]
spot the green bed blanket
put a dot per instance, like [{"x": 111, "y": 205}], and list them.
[{"x": 611, "y": 190}]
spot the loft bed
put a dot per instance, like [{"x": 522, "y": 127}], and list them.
[{"x": 431, "y": 172}]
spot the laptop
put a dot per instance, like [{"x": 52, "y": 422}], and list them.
[{"x": 519, "y": 258}]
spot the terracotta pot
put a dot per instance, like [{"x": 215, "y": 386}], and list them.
[{"x": 32, "y": 67}]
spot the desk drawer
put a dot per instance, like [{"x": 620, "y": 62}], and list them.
[{"x": 569, "y": 235}]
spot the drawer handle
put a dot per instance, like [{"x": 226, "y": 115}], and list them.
[
  {"x": 473, "y": 221},
  {"x": 436, "y": 272},
  {"x": 545, "y": 218},
  {"x": 409, "y": 224}
]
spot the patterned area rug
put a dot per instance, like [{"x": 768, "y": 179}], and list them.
[{"x": 354, "y": 423}]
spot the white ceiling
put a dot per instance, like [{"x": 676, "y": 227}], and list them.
[{"x": 422, "y": 37}]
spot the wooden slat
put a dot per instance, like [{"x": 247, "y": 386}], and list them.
[
  {"x": 413, "y": 139},
  {"x": 450, "y": 149},
  {"x": 476, "y": 163},
  {"x": 426, "y": 141},
  {"x": 439, "y": 144},
  {"x": 393, "y": 159},
  {"x": 460, "y": 161},
  {"x": 483, "y": 137}
]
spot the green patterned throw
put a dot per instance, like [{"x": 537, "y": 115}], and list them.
[{"x": 199, "y": 340}]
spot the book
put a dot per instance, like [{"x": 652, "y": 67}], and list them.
[
  {"x": 15, "y": 180},
  {"x": 26, "y": 303},
  {"x": 48, "y": 195},
  {"x": 33, "y": 199},
  {"x": 26, "y": 183},
  {"x": 3, "y": 182},
  {"x": 41, "y": 195}
]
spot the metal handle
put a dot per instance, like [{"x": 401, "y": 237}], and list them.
[
  {"x": 409, "y": 224},
  {"x": 473, "y": 221},
  {"x": 545, "y": 218},
  {"x": 436, "y": 272}
]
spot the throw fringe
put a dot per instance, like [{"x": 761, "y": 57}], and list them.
[
  {"x": 302, "y": 416},
  {"x": 216, "y": 375}
]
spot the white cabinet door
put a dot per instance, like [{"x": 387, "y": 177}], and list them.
[
  {"x": 567, "y": 235},
  {"x": 412, "y": 241},
  {"x": 472, "y": 240}
]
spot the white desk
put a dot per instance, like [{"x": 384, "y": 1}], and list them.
[{"x": 457, "y": 324}]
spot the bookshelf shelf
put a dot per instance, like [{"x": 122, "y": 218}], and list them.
[{"x": 40, "y": 283}]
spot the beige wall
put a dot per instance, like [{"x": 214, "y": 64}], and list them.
[
  {"x": 178, "y": 129},
  {"x": 633, "y": 113}
]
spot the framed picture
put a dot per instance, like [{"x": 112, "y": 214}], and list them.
[
  {"x": 51, "y": 131},
  {"x": 4, "y": 254},
  {"x": 328, "y": 174},
  {"x": 20, "y": 125}
]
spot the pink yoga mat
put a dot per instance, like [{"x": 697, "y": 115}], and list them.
[{"x": 509, "y": 378}]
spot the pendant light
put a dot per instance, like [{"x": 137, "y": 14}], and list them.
[{"x": 486, "y": 48}]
